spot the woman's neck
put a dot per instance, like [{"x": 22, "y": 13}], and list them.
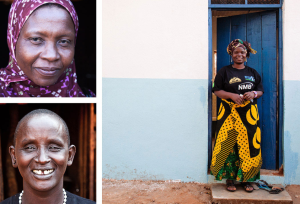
[
  {"x": 238, "y": 66},
  {"x": 53, "y": 196}
]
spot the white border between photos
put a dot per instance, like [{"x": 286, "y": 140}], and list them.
[
  {"x": 99, "y": 104},
  {"x": 97, "y": 100}
]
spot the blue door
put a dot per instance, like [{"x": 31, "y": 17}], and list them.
[{"x": 260, "y": 30}]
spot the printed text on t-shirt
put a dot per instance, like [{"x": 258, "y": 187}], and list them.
[{"x": 246, "y": 85}]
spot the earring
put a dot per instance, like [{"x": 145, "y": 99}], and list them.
[
  {"x": 230, "y": 59},
  {"x": 246, "y": 59}
]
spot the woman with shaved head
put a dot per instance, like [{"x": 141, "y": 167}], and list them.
[{"x": 42, "y": 152}]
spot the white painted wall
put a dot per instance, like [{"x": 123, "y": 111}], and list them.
[
  {"x": 160, "y": 39},
  {"x": 291, "y": 43},
  {"x": 291, "y": 76}
]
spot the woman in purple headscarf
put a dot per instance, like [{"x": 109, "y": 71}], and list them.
[{"x": 41, "y": 37}]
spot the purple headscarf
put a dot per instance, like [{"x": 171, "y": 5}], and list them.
[{"x": 13, "y": 81}]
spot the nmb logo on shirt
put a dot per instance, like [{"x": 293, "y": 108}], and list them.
[{"x": 246, "y": 85}]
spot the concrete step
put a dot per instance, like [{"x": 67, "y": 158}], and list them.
[{"x": 221, "y": 196}]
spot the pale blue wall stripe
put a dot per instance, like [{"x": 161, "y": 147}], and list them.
[
  {"x": 291, "y": 138},
  {"x": 155, "y": 129}
]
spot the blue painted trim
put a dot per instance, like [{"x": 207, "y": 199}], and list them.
[
  {"x": 209, "y": 84},
  {"x": 280, "y": 88},
  {"x": 241, "y": 6},
  {"x": 280, "y": 67},
  {"x": 246, "y": 5}
]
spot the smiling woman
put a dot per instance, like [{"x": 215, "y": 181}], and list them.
[
  {"x": 42, "y": 151},
  {"x": 237, "y": 153},
  {"x": 45, "y": 47},
  {"x": 41, "y": 36}
]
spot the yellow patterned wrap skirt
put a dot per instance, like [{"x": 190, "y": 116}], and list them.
[{"x": 238, "y": 125}]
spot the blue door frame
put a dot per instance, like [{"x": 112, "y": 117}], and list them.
[{"x": 280, "y": 67}]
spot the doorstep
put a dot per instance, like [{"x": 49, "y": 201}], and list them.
[{"x": 221, "y": 196}]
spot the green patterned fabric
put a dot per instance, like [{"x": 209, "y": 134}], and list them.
[{"x": 231, "y": 169}]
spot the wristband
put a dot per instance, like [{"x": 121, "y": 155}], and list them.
[{"x": 255, "y": 94}]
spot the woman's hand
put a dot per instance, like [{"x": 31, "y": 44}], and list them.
[
  {"x": 237, "y": 98},
  {"x": 249, "y": 96},
  {"x": 228, "y": 95}
]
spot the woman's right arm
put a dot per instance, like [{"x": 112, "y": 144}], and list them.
[{"x": 227, "y": 95}]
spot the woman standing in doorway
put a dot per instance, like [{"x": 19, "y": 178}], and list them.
[{"x": 237, "y": 153}]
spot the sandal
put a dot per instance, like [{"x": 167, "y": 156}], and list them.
[
  {"x": 247, "y": 186},
  {"x": 230, "y": 185},
  {"x": 276, "y": 190},
  {"x": 272, "y": 189}
]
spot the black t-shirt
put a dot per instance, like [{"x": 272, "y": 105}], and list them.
[
  {"x": 237, "y": 81},
  {"x": 71, "y": 199}
]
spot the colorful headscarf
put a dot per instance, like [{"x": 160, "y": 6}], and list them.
[
  {"x": 240, "y": 43},
  {"x": 13, "y": 81}
]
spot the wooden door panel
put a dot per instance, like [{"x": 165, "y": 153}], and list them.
[
  {"x": 223, "y": 39},
  {"x": 269, "y": 99},
  {"x": 238, "y": 27}
]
